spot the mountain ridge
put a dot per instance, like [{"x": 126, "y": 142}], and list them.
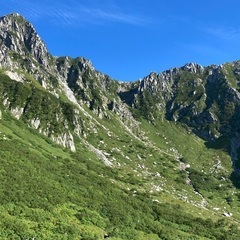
[
  {"x": 156, "y": 95},
  {"x": 167, "y": 140}
]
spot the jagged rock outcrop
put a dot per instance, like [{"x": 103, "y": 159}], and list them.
[
  {"x": 26, "y": 60},
  {"x": 20, "y": 37},
  {"x": 205, "y": 99}
]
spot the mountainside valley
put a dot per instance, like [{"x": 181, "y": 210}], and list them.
[{"x": 84, "y": 156}]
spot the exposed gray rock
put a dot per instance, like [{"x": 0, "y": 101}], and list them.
[
  {"x": 17, "y": 34},
  {"x": 35, "y": 123},
  {"x": 15, "y": 76},
  {"x": 100, "y": 154},
  {"x": 17, "y": 112},
  {"x": 193, "y": 68},
  {"x": 66, "y": 140}
]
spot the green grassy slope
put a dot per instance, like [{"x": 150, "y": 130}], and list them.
[{"x": 50, "y": 193}]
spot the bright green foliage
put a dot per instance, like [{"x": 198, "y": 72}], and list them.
[
  {"x": 145, "y": 106},
  {"x": 49, "y": 193},
  {"x": 37, "y": 104}
]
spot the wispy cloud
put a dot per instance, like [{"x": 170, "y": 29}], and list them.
[
  {"x": 203, "y": 49},
  {"x": 100, "y": 14},
  {"x": 73, "y": 12},
  {"x": 227, "y": 33}
]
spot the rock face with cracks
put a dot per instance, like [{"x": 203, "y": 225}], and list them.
[{"x": 205, "y": 99}]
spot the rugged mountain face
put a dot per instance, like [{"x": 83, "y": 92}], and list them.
[
  {"x": 171, "y": 135},
  {"x": 25, "y": 59},
  {"x": 205, "y": 99}
]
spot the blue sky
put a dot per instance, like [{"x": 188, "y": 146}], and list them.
[{"x": 127, "y": 39}]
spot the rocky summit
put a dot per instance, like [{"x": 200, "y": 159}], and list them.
[{"x": 84, "y": 156}]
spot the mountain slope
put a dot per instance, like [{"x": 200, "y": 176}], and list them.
[
  {"x": 84, "y": 156},
  {"x": 81, "y": 198}
]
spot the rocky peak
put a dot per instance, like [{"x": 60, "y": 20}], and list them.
[
  {"x": 19, "y": 36},
  {"x": 193, "y": 68},
  {"x": 163, "y": 81}
]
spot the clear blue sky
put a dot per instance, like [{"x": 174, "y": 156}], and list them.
[{"x": 127, "y": 39}]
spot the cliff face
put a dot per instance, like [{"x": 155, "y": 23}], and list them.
[
  {"x": 73, "y": 82},
  {"x": 206, "y": 99},
  {"x": 19, "y": 36}
]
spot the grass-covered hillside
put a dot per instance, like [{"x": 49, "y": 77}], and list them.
[{"x": 48, "y": 192}]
